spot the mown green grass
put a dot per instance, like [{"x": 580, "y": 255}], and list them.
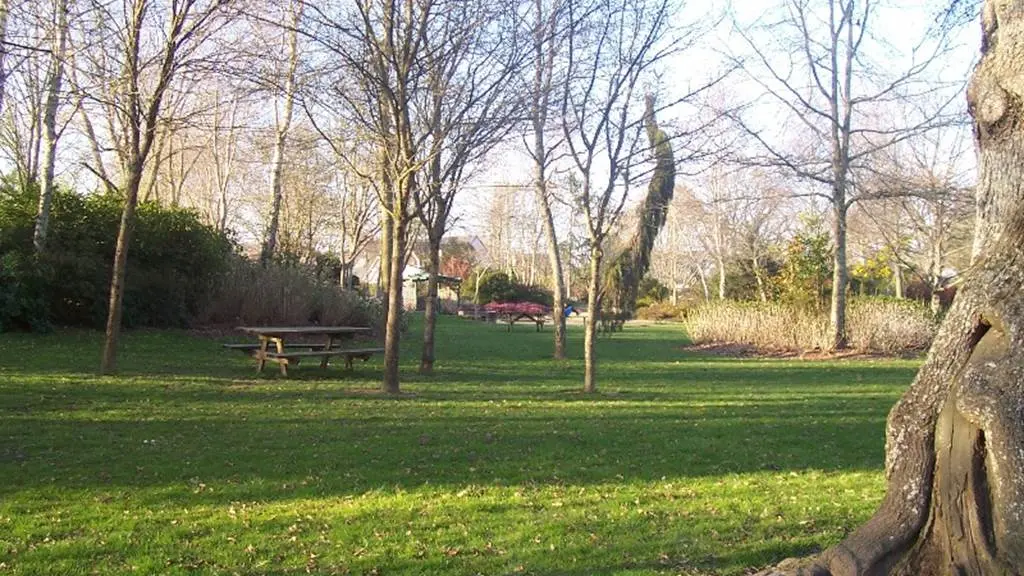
[{"x": 189, "y": 463}]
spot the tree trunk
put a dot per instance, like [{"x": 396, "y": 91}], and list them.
[
  {"x": 704, "y": 284},
  {"x": 386, "y": 239},
  {"x": 430, "y": 313},
  {"x": 935, "y": 272},
  {"x": 555, "y": 258},
  {"x": 593, "y": 317},
  {"x": 270, "y": 242},
  {"x": 897, "y": 277},
  {"x": 955, "y": 446},
  {"x": 393, "y": 331},
  {"x": 54, "y": 79},
  {"x": 108, "y": 365},
  {"x": 721, "y": 279},
  {"x": 840, "y": 277},
  {"x": 762, "y": 290}
]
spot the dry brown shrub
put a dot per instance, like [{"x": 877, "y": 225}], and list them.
[
  {"x": 250, "y": 294},
  {"x": 873, "y": 325}
]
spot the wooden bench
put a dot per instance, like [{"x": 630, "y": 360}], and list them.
[
  {"x": 349, "y": 354},
  {"x": 252, "y": 348}
]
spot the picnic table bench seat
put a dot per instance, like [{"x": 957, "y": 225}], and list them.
[{"x": 350, "y": 354}]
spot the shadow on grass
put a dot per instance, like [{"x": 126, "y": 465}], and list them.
[
  {"x": 265, "y": 446},
  {"x": 498, "y": 412}
]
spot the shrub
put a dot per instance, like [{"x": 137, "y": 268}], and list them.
[
  {"x": 661, "y": 311},
  {"x": 173, "y": 261},
  {"x": 651, "y": 291},
  {"x": 771, "y": 326},
  {"x": 873, "y": 325},
  {"x": 498, "y": 287},
  {"x": 287, "y": 294},
  {"x": 889, "y": 325}
]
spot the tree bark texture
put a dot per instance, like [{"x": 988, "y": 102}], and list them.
[
  {"x": 840, "y": 277},
  {"x": 54, "y": 80},
  {"x": 393, "y": 331},
  {"x": 955, "y": 440},
  {"x": 593, "y": 317},
  {"x": 554, "y": 257},
  {"x": 430, "y": 312},
  {"x": 108, "y": 363}
]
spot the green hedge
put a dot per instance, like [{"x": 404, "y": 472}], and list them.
[
  {"x": 174, "y": 261},
  {"x": 498, "y": 287}
]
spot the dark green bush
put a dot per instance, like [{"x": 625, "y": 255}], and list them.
[
  {"x": 498, "y": 287},
  {"x": 173, "y": 262},
  {"x": 651, "y": 291}
]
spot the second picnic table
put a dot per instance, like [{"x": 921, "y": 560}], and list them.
[{"x": 324, "y": 350}]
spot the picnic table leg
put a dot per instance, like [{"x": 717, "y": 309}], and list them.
[
  {"x": 261, "y": 355},
  {"x": 283, "y": 362},
  {"x": 330, "y": 344}
]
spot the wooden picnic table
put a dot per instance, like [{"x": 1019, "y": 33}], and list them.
[
  {"x": 513, "y": 317},
  {"x": 324, "y": 349}
]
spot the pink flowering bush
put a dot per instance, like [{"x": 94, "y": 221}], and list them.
[{"x": 511, "y": 308}]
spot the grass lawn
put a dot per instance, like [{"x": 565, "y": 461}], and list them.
[{"x": 190, "y": 463}]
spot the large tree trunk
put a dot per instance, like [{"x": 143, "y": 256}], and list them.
[
  {"x": 955, "y": 444},
  {"x": 840, "y": 276},
  {"x": 430, "y": 313},
  {"x": 393, "y": 329},
  {"x": 593, "y": 317}
]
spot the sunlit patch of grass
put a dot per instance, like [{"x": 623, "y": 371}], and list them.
[{"x": 191, "y": 463}]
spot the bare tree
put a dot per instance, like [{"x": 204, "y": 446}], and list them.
[
  {"x": 612, "y": 49},
  {"x": 384, "y": 57},
  {"x": 471, "y": 105},
  {"x": 549, "y": 40},
  {"x": 830, "y": 46},
  {"x": 283, "y": 122},
  {"x": 54, "y": 80},
  {"x": 919, "y": 205},
  {"x": 954, "y": 444},
  {"x": 146, "y": 67}
]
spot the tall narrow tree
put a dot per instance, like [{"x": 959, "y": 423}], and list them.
[
  {"x": 144, "y": 78},
  {"x": 283, "y": 123},
  {"x": 54, "y": 82}
]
